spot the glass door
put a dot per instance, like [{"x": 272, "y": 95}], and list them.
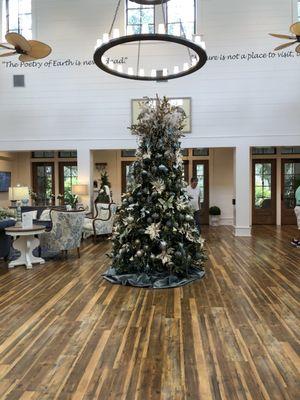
[
  {"x": 264, "y": 192},
  {"x": 290, "y": 176},
  {"x": 68, "y": 176},
  {"x": 43, "y": 182},
  {"x": 201, "y": 171}
]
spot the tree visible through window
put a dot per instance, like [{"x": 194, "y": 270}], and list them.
[
  {"x": 19, "y": 17},
  {"x": 181, "y": 17},
  {"x": 139, "y": 16},
  {"x": 68, "y": 176}
]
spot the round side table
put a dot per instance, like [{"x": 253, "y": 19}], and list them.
[{"x": 25, "y": 242}]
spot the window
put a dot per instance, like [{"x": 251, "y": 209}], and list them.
[
  {"x": 290, "y": 150},
  {"x": 42, "y": 154},
  {"x": 201, "y": 152},
  {"x": 127, "y": 175},
  {"x": 67, "y": 154},
  {"x": 181, "y": 18},
  {"x": 299, "y": 10},
  {"x": 263, "y": 184},
  {"x": 128, "y": 153},
  {"x": 68, "y": 176},
  {"x": 43, "y": 182},
  {"x": 263, "y": 150},
  {"x": 19, "y": 17},
  {"x": 139, "y": 15}
]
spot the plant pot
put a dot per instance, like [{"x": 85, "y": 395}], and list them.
[{"x": 215, "y": 220}]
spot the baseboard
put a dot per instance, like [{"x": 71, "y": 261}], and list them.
[{"x": 243, "y": 231}]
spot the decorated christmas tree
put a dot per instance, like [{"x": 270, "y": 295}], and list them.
[
  {"x": 156, "y": 243},
  {"x": 104, "y": 190}
]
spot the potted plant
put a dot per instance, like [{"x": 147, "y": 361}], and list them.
[
  {"x": 71, "y": 199},
  {"x": 215, "y": 213}
]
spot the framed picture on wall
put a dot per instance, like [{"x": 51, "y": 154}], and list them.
[
  {"x": 184, "y": 102},
  {"x": 5, "y": 181}
]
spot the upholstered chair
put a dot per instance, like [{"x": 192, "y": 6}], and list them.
[
  {"x": 102, "y": 223},
  {"x": 65, "y": 234}
]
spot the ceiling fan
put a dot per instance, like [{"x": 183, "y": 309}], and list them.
[
  {"x": 295, "y": 29},
  {"x": 28, "y": 50}
]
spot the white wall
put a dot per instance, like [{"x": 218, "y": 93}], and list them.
[
  {"x": 234, "y": 102},
  {"x": 222, "y": 182}
]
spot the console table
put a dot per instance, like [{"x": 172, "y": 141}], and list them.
[{"x": 25, "y": 242}]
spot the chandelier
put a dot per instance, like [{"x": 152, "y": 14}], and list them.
[{"x": 140, "y": 63}]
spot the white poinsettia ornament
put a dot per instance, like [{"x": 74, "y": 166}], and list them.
[
  {"x": 158, "y": 185},
  {"x": 153, "y": 230}
]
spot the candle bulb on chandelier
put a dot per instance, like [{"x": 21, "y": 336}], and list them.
[
  {"x": 130, "y": 71},
  {"x": 185, "y": 66},
  {"x": 116, "y": 33},
  {"x": 176, "y": 69},
  {"x": 141, "y": 72},
  {"x": 120, "y": 68},
  {"x": 165, "y": 71},
  {"x": 105, "y": 37},
  {"x": 153, "y": 73}
]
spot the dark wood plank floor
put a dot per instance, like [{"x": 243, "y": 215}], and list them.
[{"x": 65, "y": 333}]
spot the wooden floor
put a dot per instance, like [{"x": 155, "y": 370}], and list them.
[{"x": 65, "y": 333}]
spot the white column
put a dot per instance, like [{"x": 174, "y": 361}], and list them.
[
  {"x": 85, "y": 173},
  {"x": 242, "y": 176}
]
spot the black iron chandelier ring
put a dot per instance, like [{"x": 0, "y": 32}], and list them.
[{"x": 200, "y": 62}]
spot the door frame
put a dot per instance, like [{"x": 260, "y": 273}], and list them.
[
  {"x": 204, "y": 212},
  {"x": 273, "y": 216}
]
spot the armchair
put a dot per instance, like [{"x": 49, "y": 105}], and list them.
[
  {"x": 65, "y": 234},
  {"x": 102, "y": 223}
]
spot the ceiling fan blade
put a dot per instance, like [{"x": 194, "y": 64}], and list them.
[
  {"x": 295, "y": 28},
  {"x": 8, "y": 54},
  {"x": 18, "y": 41},
  {"x": 282, "y": 36},
  {"x": 26, "y": 58},
  {"x": 6, "y": 47},
  {"x": 38, "y": 49},
  {"x": 283, "y": 46},
  {"x": 298, "y": 49}
]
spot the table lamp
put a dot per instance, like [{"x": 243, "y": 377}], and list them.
[
  {"x": 80, "y": 190},
  {"x": 18, "y": 195}
]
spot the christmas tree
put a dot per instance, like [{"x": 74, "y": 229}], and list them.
[
  {"x": 156, "y": 243},
  {"x": 104, "y": 191}
]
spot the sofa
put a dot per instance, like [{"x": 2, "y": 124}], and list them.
[{"x": 5, "y": 240}]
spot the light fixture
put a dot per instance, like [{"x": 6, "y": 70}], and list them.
[
  {"x": 18, "y": 195},
  {"x": 195, "y": 50},
  {"x": 80, "y": 189}
]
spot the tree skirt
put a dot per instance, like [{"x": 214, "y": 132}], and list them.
[{"x": 154, "y": 281}]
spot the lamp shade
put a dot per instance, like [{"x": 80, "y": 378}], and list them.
[
  {"x": 18, "y": 193},
  {"x": 80, "y": 189}
]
